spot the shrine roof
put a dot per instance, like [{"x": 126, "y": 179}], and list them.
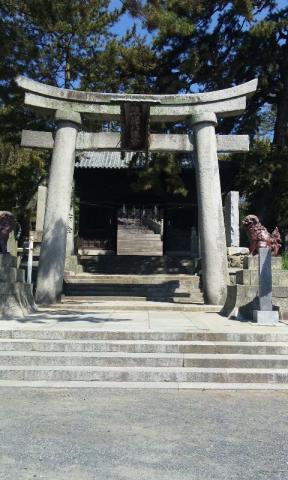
[{"x": 113, "y": 160}]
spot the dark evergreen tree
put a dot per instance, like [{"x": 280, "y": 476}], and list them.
[{"x": 214, "y": 45}]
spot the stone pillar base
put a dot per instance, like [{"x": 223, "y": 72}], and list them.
[
  {"x": 16, "y": 297},
  {"x": 72, "y": 265},
  {"x": 266, "y": 317}
]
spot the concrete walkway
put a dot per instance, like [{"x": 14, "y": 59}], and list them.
[{"x": 84, "y": 316}]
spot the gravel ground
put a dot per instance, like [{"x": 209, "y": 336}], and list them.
[{"x": 58, "y": 434}]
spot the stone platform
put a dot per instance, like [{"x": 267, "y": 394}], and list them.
[{"x": 141, "y": 349}]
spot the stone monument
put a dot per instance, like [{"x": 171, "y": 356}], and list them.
[
  {"x": 232, "y": 219},
  {"x": 263, "y": 283},
  {"x": 265, "y": 314},
  {"x": 16, "y": 299}
]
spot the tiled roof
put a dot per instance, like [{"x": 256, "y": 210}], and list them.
[{"x": 113, "y": 160}]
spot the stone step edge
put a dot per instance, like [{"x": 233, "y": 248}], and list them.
[
  {"x": 155, "y": 370},
  {"x": 188, "y": 343},
  {"x": 144, "y": 355},
  {"x": 185, "y": 276},
  {"x": 144, "y": 385},
  {"x": 131, "y": 307}
]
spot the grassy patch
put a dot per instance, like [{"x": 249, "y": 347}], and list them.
[{"x": 285, "y": 261}]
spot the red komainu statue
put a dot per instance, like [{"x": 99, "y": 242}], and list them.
[
  {"x": 260, "y": 237},
  {"x": 7, "y": 224}
]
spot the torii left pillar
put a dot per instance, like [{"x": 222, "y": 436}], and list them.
[{"x": 53, "y": 248}]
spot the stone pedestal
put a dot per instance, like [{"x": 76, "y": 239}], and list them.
[
  {"x": 210, "y": 209},
  {"x": 16, "y": 298},
  {"x": 243, "y": 297},
  {"x": 53, "y": 248},
  {"x": 265, "y": 315}
]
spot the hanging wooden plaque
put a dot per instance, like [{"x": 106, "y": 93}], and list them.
[{"x": 135, "y": 126}]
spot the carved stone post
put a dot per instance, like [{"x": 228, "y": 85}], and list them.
[
  {"x": 41, "y": 207},
  {"x": 70, "y": 249},
  {"x": 210, "y": 210},
  {"x": 232, "y": 219},
  {"x": 52, "y": 256}
]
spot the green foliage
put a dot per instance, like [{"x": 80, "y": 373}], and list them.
[
  {"x": 285, "y": 261},
  {"x": 218, "y": 44},
  {"x": 58, "y": 38},
  {"x": 21, "y": 171},
  {"x": 54, "y": 42},
  {"x": 126, "y": 66},
  {"x": 262, "y": 177},
  {"x": 161, "y": 175}
]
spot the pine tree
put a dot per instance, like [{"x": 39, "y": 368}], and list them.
[
  {"x": 51, "y": 41},
  {"x": 214, "y": 45}
]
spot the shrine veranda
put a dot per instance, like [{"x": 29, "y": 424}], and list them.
[{"x": 135, "y": 113}]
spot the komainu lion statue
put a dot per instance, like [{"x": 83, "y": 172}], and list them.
[
  {"x": 7, "y": 224},
  {"x": 260, "y": 237}
]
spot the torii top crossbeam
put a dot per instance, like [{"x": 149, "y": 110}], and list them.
[{"x": 169, "y": 108}]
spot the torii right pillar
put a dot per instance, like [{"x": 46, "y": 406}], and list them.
[{"x": 210, "y": 209}]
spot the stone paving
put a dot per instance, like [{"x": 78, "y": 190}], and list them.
[{"x": 154, "y": 320}]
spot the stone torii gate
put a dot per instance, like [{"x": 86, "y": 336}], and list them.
[{"x": 198, "y": 110}]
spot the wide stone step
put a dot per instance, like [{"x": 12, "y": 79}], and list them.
[
  {"x": 263, "y": 387},
  {"x": 165, "y": 288},
  {"x": 78, "y": 304},
  {"x": 193, "y": 300},
  {"x": 140, "y": 254},
  {"x": 130, "y": 290},
  {"x": 143, "y": 374},
  {"x": 145, "y": 346},
  {"x": 133, "y": 279},
  {"x": 135, "y": 336},
  {"x": 90, "y": 290},
  {"x": 138, "y": 265},
  {"x": 133, "y": 287},
  {"x": 139, "y": 239},
  {"x": 118, "y": 359}
]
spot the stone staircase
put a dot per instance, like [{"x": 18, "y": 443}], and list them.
[
  {"x": 132, "y": 359},
  {"x": 138, "y": 241},
  {"x": 142, "y": 278},
  {"x": 161, "y": 288},
  {"x": 138, "y": 265}
]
